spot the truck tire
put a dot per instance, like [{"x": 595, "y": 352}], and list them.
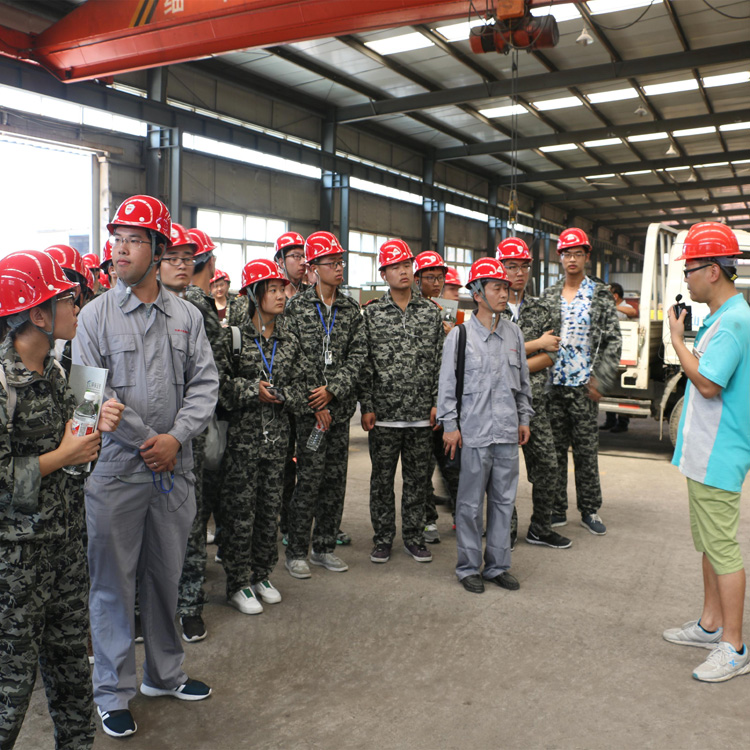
[{"x": 674, "y": 420}]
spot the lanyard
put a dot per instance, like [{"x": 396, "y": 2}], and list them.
[
  {"x": 269, "y": 368},
  {"x": 326, "y": 328}
]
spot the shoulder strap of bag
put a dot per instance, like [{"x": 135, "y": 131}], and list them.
[
  {"x": 460, "y": 366},
  {"x": 236, "y": 343}
]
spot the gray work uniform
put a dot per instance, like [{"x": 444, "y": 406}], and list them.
[
  {"x": 162, "y": 368},
  {"x": 496, "y": 399}
]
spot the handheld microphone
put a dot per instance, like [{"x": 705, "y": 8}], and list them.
[{"x": 679, "y": 307}]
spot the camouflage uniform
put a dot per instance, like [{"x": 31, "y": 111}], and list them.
[
  {"x": 321, "y": 474},
  {"x": 572, "y": 414},
  {"x": 192, "y": 597},
  {"x": 43, "y": 573},
  {"x": 399, "y": 383},
  {"x": 237, "y": 311},
  {"x": 253, "y": 465},
  {"x": 535, "y": 318}
]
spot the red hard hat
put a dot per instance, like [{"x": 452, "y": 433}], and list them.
[
  {"x": 288, "y": 239},
  {"x": 429, "y": 259},
  {"x": 709, "y": 239},
  {"x": 486, "y": 268},
  {"x": 202, "y": 241},
  {"x": 392, "y": 252},
  {"x": 107, "y": 253},
  {"x": 218, "y": 276},
  {"x": 70, "y": 259},
  {"x": 89, "y": 279},
  {"x": 104, "y": 280},
  {"x": 513, "y": 248},
  {"x": 320, "y": 244},
  {"x": 179, "y": 236},
  {"x": 90, "y": 260},
  {"x": 143, "y": 211},
  {"x": 28, "y": 278},
  {"x": 452, "y": 278},
  {"x": 573, "y": 237},
  {"x": 261, "y": 270}
]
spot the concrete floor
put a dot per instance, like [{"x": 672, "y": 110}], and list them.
[{"x": 399, "y": 656}]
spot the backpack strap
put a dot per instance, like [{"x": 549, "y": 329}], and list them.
[
  {"x": 236, "y": 343},
  {"x": 460, "y": 366}
]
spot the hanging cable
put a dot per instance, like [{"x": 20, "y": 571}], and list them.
[
  {"x": 513, "y": 197},
  {"x": 628, "y": 25},
  {"x": 723, "y": 13}
]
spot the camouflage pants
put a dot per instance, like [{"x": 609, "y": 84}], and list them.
[
  {"x": 541, "y": 466},
  {"x": 191, "y": 596},
  {"x": 290, "y": 478},
  {"x": 44, "y": 621},
  {"x": 321, "y": 489},
  {"x": 249, "y": 512},
  {"x": 449, "y": 474},
  {"x": 573, "y": 419},
  {"x": 414, "y": 446}
]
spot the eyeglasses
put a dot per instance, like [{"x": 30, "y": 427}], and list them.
[
  {"x": 687, "y": 271},
  {"x": 71, "y": 297},
  {"x": 116, "y": 241},
  {"x": 515, "y": 269},
  {"x": 433, "y": 279},
  {"x": 176, "y": 261},
  {"x": 334, "y": 264},
  {"x": 294, "y": 256},
  {"x": 577, "y": 256}
]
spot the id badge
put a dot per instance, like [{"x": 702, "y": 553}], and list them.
[{"x": 328, "y": 358}]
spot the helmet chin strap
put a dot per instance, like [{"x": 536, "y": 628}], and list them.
[
  {"x": 253, "y": 297},
  {"x": 17, "y": 320}
]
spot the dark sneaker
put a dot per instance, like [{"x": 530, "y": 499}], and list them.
[
  {"x": 138, "y": 630},
  {"x": 419, "y": 552},
  {"x": 558, "y": 520},
  {"x": 473, "y": 584},
  {"x": 117, "y": 723},
  {"x": 381, "y": 553},
  {"x": 343, "y": 538},
  {"x": 594, "y": 524},
  {"x": 513, "y": 541},
  {"x": 619, "y": 428},
  {"x": 506, "y": 581},
  {"x": 192, "y": 690},
  {"x": 553, "y": 539},
  {"x": 431, "y": 534},
  {"x": 193, "y": 628}
]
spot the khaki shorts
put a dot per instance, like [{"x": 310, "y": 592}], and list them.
[{"x": 714, "y": 520}]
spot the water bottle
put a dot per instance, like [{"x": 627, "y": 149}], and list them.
[
  {"x": 316, "y": 438},
  {"x": 84, "y": 422}
]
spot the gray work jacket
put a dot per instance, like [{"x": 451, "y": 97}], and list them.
[{"x": 162, "y": 368}]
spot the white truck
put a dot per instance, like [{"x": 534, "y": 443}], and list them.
[{"x": 652, "y": 382}]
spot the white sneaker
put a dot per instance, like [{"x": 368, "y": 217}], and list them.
[
  {"x": 723, "y": 663},
  {"x": 297, "y": 567},
  {"x": 246, "y": 602},
  {"x": 692, "y": 634},
  {"x": 210, "y": 537},
  {"x": 267, "y": 592},
  {"x": 329, "y": 561}
]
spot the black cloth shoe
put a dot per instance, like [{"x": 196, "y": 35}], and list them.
[
  {"x": 138, "y": 630},
  {"x": 553, "y": 539},
  {"x": 117, "y": 723},
  {"x": 193, "y": 628},
  {"x": 619, "y": 427},
  {"x": 506, "y": 581},
  {"x": 473, "y": 584}
]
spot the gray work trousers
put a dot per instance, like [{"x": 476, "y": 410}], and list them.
[
  {"x": 135, "y": 531},
  {"x": 492, "y": 469}
]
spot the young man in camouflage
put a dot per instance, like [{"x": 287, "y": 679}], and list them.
[
  {"x": 534, "y": 318},
  {"x": 327, "y": 326},
  {"x": 398, "y": 399},
  {"x": 585, "y": 368}
]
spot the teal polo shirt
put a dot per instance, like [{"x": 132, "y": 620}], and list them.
[{"x": 713, "y": 443}]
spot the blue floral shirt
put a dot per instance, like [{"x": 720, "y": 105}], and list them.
[{"x": 573, "y": 364}]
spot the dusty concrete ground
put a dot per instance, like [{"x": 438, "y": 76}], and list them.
[{"x": 399, "y": 656}]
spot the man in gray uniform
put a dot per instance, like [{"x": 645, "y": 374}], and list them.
[
  {"x": 140, "y": 500},
  {"x": 493, "y": 421}
]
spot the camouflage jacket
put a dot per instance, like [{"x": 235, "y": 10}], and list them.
[
  {"x": 605, "y": 338},
  {"x": 237, "y": 311},
  {"x": 399, "y": 380},
  {"x": 347, "y": 348},
  {"x": 534, "y": 319},
  {"x": 239, "y": 389},
  {"x": 33, "y": 507},
  {"x": 215, "y": 332}
]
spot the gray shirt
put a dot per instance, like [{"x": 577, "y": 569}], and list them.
[
  {"x": 497, "y": 393},
  {"x": 160, "y": 366}
]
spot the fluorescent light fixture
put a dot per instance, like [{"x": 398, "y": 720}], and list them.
[
  {"x": 597, "y": 7},
  {"x": 734, "y": 126},
  {"x": 563, "y": 103},
  {"x": 673, "y": 169},
  {"x": 599, "y": 176},
  {"x": 638, "y": 171},
  {"x": 741, "y": 161},
  {"x": 648, "y": 137},
  {"x": 673, "y": 87},
  {"x": 402, "y": 43},
  {"x": 388, "y": 192},
  {"x": 560, "y": 12},
  {"x": 507, "y": 111},
  {"x": 727, "y": 80},
  {"x": 694, "y": 131},
  {"x": 465, "y": 212},
  {"x": 602, "y": 142},
  {"x": 612, "y": 96},
  {"x": 561, "y": 147},
  {"x": 58, "y": 109},
  {"x": 714, "y": 164},
  {"x": 458, "y": 32}
]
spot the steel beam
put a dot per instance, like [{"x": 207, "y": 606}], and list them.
[
  {"x": 650, "y": 189},
  {"x": 546, "y": 81},
  {"x": 666, "y": 205},
  {"x": 689, "y": 218}
]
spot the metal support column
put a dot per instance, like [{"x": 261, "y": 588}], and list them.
[
  {"x": 440, "y": 248},
  {"x": 428, "y": 208},
  {"x": 157, "y": 91},
  {"x": 175, "y": 174},
  {"x": 343, "y": 180},
  {"x": 327, "y": 186},
  {"x": 546, "y": 282},
  {"x": 493, "y": 223}
]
